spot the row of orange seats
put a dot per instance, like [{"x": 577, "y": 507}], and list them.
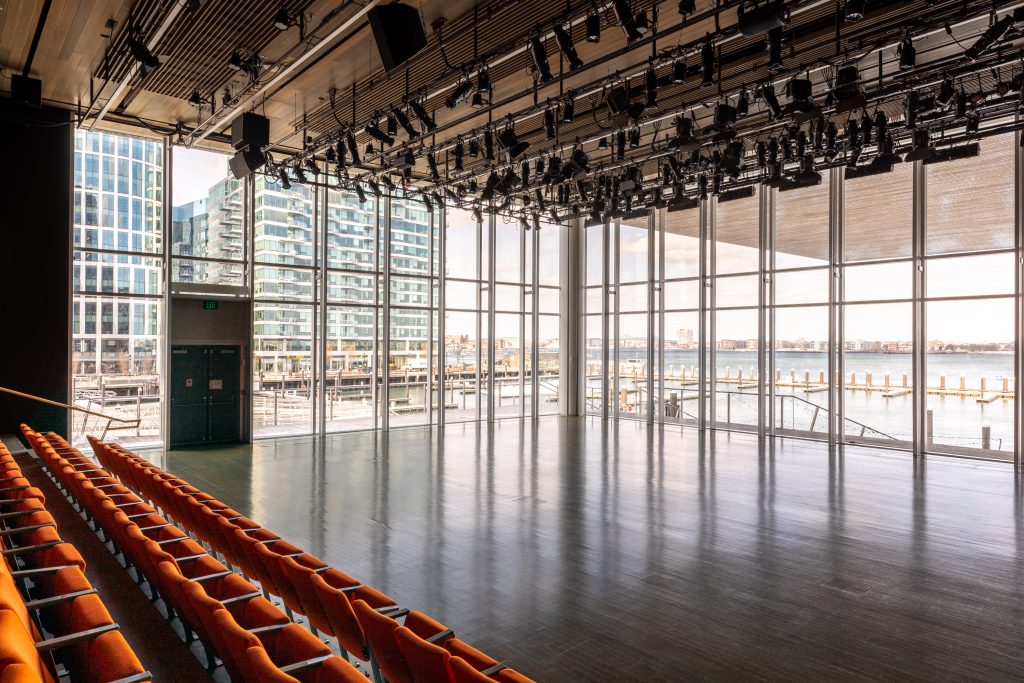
[
  {"x": 254, "y": 640},
  {"x": 52, "y": 622},
  {"x": 400, "y": 645}
]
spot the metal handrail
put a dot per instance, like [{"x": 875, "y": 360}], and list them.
[{"x": 128, "y": 423}]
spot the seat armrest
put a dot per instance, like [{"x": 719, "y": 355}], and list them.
[
  {"x": 72, "y": 638},
  {"x": 439, "y": 636},
  {"x": 43, "y": 603},
  {"x": 304, "y": 664}
]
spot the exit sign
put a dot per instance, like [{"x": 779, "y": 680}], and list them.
[{"x": 210, "y": 305}]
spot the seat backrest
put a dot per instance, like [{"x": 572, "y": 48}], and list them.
[
  {"x": 380, "y": 634},
  {"x": 263, "y": 670},
  {"x": 234, "y": 640},
  {"x": 427, "y": 662},
  {"x": 18, "y": 648},
  {"x": 300, "y": 578},
  {"x": 341, "y": 620}
]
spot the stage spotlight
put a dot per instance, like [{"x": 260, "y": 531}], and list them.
[
  {"x": 634, "y": 137},
  {"x": 483, "y": 81},
  {"x": 391, "y": 125},
  {"x": 566, "y": 47},
  {"x": 866, "y": 128},
  {"x": 643, "y": 27},
  {"x": 549, "y": 123},
  {"x": 651, "y": 86},
  {"x": 353, "y": 148},
  {"x": 910, "y": 109},
  {"x": 404, "y": 122},
  {"x": 853, "y": 10},
  {"x": 339, "y": 152},
  {"x": 284, "y": 20},
  {"x": 432, "y": 167},
  {"x": 624, "y": 15},
  {"x": 492, "y": 182},
  {"x": 972, "y": 122},
  {"x": 360, "y": 193},
  {"x": 767, "y": 92},
  {"x": 743, "y": 103},
  {"x": 541, "y": 68},
  {"x": 907, "y": 53},
  {"x": 282, "y": 177},
  {"x": 960, "y": 105},
  {"x": 684, "y": 139},
  {"x": 831, "y": 132},
  {"x": 847, "y": 92},
  {"x": 511, "y": 143},
  {"x": 427, "y": 202},
  {"x": 774, "y": 44},
  {"x": 374, "y": 131},
  {"x": 474, "y": 148},
  {"x": 300, "y": 175},
  {"x": 388, "y": 183},
  {"x": 679, "y": 70},
  {"x": 991, "y": 35},
  {"x": 946, "y": 92},
  {"x": 568, "y": 110},
  {"x": 538, "y": 196},
  {"x": 620, "y": 145},
  {"x": 196, "y": 99},
  {"x": 459, "y": 153},
  {"x": 536, "y": 221},
  {"x": 312, "y": 167},
  {"x": 421, "y": 113},
  {"x": 374, "y": 187},
  {"x": 755, "y": 17},
  {"x": 593, "y": 27},
  {"x": 460, "y": 94},
  {"x": 235, "y": 61},
  {"x": 478, "y": 215},
  {"x": 488, "y": 145},
  {"x": 707, "y": 63},
  {"x": 687, "y": 7},
  {"x": 702, "y": 186}
]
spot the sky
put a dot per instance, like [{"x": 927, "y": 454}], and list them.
[{"x": 194, "y": 172}]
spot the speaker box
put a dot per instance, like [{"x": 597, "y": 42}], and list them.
[
  {"x": 247, "y": 161},
  {"x": 398, "y": 32},
  {"x": 27, "y": 90},
  {"x": 250, "y": 130}
]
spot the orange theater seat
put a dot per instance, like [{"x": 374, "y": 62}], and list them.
[
  {"x": 464, "y": 673},
  {"x": 332, "y": 670}
]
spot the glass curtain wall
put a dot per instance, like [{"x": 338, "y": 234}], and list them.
[
  {"x": 117, "y": 294},
  {"x": 838, "y": 342}
]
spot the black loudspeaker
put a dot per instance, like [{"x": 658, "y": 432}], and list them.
[
  {"x": 246, "y": 161},
  {"x": 398, "y": 32},
  {"x": 250, "y": 130},
  {"x": 27, "y": 90}
]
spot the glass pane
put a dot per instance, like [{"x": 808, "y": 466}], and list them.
[
  {"x": 508, "y": 342},
  {"x": 632, "y": 251},
  {"x": 409, "y": 366},
  {"x": 460, "y": 294},
  {"x": 351, "y": 231},
  {"x": 736, "y": 367},
  {"x": 116, "y": 274},
  {"x": 879, "y": 215},
  {"x": 971, "y": 275},
  {"x": 282, "y": 369},
  {"x": 682, "y": 295},
  {"x": 801, "y": 370},
  {"x": 632, "y": 298},
  {"x": 879, "y": 281},
  {"x": 969, "y": 365},
  {"x": 736, "y": 290},
  {"x": 550, "y": 300},
  {"x": 801, "y": 287},
  {"x": 115, "y": 365},
  {"x": 594, "y": 367},
  {"x": 595, "y": 259},
  {"x": 411, "y": 243},
  {"x": 957, "y": 191},
  {"x": 353, "y": 288},
  {"x": 682, "y": 244},
  {"x": 508, "y": 252},
  {"x": 802, "y": 225},
  {"x": 461, "y": 353},
  {"x": 681, "y": 376},
  {"x": 282, "y": 283},
  {"x": 549, "y": 246},
  {"x": 737, "y": 225},
  {"x": 508, "y": 298},
  {"x": 411, "y": 291},
  {"x": 548, "y": 364},
  {"x": 283, "y": 228},
  {"x": 461, "y": 238},
  {"x": 631, "y": 357},
  {"x": 350, "y": 366},
  {"x": 878, "y": 373}
]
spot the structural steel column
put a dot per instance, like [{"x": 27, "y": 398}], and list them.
[
  {"x": 442, "y": 311},
  {"x": 764, "y": 341},
  {"x": 571, "y": 381},
  {"x": 1018, "y": 348},
  {"x": 702, "y": 327},
  {"x": 385, "y": 421},
  {"x": 920, "y": 382}
]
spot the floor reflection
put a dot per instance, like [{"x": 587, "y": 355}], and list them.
[{"x": 575, "y": 549}]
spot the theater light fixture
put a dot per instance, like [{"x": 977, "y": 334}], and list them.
[
  {"x": 360, "y": 193},
  {"x": 907, "y": 53},
  {"x": 707, "y": 63},
  {"x": 853, "y": 10},
  {"x": 651, "y": 86},
  {"x": 755, "y": 17},
  {"x": 425, "y": 119},
  {"x": 374, "y": 131},
  {"x": 353, "y": 148},
  {"x": 593, "y": 27},
  {"x": 459, "y": 153},
  {"x": 566, "y": 47},
  {"x": 687, "y": 7},
  {"x": 541, "y": 68},
  {"x": 989, "y": 38},
  {"x": 774, "y": 45},
  {"x": 460, "y": 94},
  {"x": 922, "y": 146},
  {"x": 404, "y": 122},
  {"x": 624, "y": 15},
  {"x": 679, "y": 70},
  {"x": 549, "y": 123},
  {"x": 300, "y": 175},
  {"x": 282, "y": 177}
]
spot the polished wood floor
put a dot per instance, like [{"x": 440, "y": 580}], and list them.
[{"x": 577, "y": 550}]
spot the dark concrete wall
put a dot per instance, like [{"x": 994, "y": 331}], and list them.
[{"x": 36, "y": 146}]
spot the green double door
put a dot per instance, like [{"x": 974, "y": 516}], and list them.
[{"x": 206, "y": 401}]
